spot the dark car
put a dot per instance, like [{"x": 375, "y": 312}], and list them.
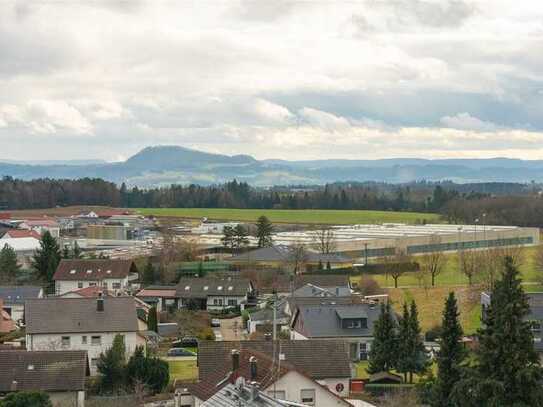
[
  {"x": 186, "y": 342},
  {"x": 180, "y": 352}
]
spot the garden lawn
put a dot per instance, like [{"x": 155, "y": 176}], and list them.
[
  {"x": 183, "y": 370},
  {"x": 304, "y": 216}
]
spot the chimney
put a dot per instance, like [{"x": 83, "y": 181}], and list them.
[
  {"x": 100, "y": 303},
  {"x": 254, "y": 369},
  {"x": 235, "y": 360}
]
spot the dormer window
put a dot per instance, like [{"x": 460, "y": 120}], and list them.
[
  {"x": 187, "y": 287},
  {"x": 219, "y": 288}
]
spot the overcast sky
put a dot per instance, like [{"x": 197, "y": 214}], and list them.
[{"x": 274, "y": 79}]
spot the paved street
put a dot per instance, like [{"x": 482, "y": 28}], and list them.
[{"x": 232, "y": 329}]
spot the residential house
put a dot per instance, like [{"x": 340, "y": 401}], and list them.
[
  {"x": 114, "y": 275},
  {"x": 279, "y": 256},
  {"x": 14, "y": 298},
  {"x": 19, "y": 233},
  {"x": 88, "y": 324},
  {"x": 535, "y": 300},
  {"x": 162, "y": 297},
  {"x": 24, "y": 247},
  {"x": 284, "y": 285},
  {"x": 352, "y": 323},
  {"x": 325, "y": 361},
  {"x": 42, "y": 225},
  {"x": 278, "y": 379},
  {"x": 60, "y": 374},
  {"x": 262, "y": 320},
  {"x": 214, "y": 293}
]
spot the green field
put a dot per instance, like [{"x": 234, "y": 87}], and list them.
[
  {"x": 304, "y": 216},
  {"x": 183, "y": 370}
]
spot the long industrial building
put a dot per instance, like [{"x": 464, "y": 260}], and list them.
[{"x": 359, "y": 241}]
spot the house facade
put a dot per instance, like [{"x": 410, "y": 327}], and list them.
[
  {"x": 113, "y": 275},
  {"x": 87, "y": 324},
  {"x": 352, "y": 323},
  {"x": 60, "y": 374},
  {"x": 213, "y": 293}
]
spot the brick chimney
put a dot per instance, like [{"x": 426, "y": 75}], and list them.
[
  {"x": 254, "y": 368},
  {"x": 100, "y": 303}
]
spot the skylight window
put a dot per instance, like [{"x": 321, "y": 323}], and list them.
[
  {"x": 187, "y": 287},
  {"x": 89, "y": 271},
  {"x": 230, "y": 288},
  {"x": 108, "y": 272},
  {"x": 72, "y": 271},
  {"x": 219, "y": 288},
  {"x": 206, "y": 288}
]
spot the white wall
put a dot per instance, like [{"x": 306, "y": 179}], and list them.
[
  {"x": 54, "y": 342},
  {"x": 224, "y": 298},
  {"x": 293, "y": 382},
  {"x": 65, "y": 286}
]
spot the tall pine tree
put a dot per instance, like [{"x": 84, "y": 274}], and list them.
[
  {"x": 9, "y": 266},
  {"x": 383, "y": 348},
  {"x": 264, "y": 230},
  {"x": 152, "y": 320},
  {"x": 450, "y": 356},
  {"x": 148, "y": 276},
  {"x": 46, "y": 258},
  {"x": 507, "y": 371},
  {"x": 412, "y": 357}
]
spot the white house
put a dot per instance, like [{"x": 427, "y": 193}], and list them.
[
  {"x": 113, "y": 275},
  {"x": 88, "y": 324},
  {"x": 213, "y": 293},
  {"x": 288, "y": 383}
]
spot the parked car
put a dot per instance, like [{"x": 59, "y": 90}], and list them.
[
  {"x": 180, "y": 352},
  {"x": 216, "y": 323},
  {"x": 186, "y": 342}
]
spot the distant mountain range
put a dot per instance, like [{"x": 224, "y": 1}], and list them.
[{"x": 164, "y": 165}]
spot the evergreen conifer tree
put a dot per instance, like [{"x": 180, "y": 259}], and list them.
[
  {"x": 152, "y": 320},
  {"x": 383, "y": 347},
  {"x": 9, "y": 267},
  {"x": 46, "y": 258},
  {"x": 264, "y": 230},
  {"x": 148, "y": 276},
  {"x": 507, "y": 370},
  {"x": 450, "y": 356}
]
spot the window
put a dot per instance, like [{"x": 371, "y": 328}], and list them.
[
  {"x": 84, "y": 339},
  {"x": 92, "y": 284},
  {"x": 116, "y": 286},
  {"x": 104, "y": 284},
  {"x": 217, "y": 301},
  {"x": 363, "y": 354},
  {"x": 80, "y": 284},
  {"x": 278, "y": 394},
  {"x": 232, "y": 303},
  {"x": 65, "y": 341},
  {"x": 94, "y": 362},
  {"x": 536, "y": 326},
  {"x": 96, "y": 340},
  {"x": 308, "y": 396}
]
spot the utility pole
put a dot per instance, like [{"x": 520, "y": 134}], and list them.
[{"x": 274, "y": 306}]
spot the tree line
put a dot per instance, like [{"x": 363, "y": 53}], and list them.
[{"x": 506, "y": 204}]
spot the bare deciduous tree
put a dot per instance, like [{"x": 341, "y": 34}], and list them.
[
  {"x": 325, "y": 240},
  {"x": 492, "y": 262},
  {"x": 297, "y": 258},
  {"x": 470, "y": 264},
  {"x": 433, "y": 263},
  {"x": 397, "y": 264}
]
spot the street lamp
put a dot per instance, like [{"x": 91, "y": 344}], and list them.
[{"x": 476, "y": 222}]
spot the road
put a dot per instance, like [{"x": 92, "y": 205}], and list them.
[{"x": 231, "y": 330}]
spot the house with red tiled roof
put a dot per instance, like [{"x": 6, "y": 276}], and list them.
[
  {"x": 20, "y": 233},
  {"x": 42, "y": 225},
  {"x": 276, "y": 378}
]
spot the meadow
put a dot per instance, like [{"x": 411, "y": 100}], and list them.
[{"x": 302, "y": 216}]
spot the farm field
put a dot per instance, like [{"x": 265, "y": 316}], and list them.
[{"x": 304, "y": 216}]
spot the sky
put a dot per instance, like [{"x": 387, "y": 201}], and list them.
[{"x": 273, "y": 79}]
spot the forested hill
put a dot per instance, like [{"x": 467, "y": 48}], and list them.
[
  {"x": 521, "y": 206},
  {"x": 164, "y": 165}
]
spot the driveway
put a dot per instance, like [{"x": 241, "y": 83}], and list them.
[{"x": 232, "y": 329}]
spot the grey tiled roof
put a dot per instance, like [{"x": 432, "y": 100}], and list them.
[
  {"x": 65, "y": 315},
  {"x": 320, "y": 359},
  {"x": 48, "y": 370},
  {"x": 312, "y": 290},
  {"x": 322, "y": 280},
  {"x": 16, "y": 295},
  {"x": 323, "y": 321}
]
